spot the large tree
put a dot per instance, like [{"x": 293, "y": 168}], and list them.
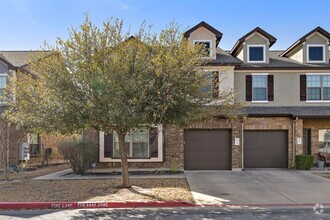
[{"x": 107, "y": 79}]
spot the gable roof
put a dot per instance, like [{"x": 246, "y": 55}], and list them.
[
  {"x": 303, "y": 39},
  {"x": 240, "y": 41},
  {"x": 217, "y": 33},
  {"x": 20, "y": 58},
  {"x": 277, "y": 62}
]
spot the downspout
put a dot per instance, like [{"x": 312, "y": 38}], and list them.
[
  {"x": 242, "y": 142},
  {"x": 294, "y": 142}
]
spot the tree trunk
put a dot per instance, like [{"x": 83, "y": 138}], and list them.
[
  {"x": 7, "y": 165},
  {"x": 124, "y": 163}
]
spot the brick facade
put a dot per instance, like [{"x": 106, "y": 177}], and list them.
[
  {"x": 315, "y": 125},
  {"x": 174, "y": 139}
]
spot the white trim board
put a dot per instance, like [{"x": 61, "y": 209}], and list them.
[
  {"x": 153, "y": 159},
  {"x": 248, "y": 53}
]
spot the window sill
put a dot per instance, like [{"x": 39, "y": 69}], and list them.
[
  {"x": 151, "y": 160},
  {"x": 255, "y": 61},
  {"x": 318, "y": 101},
  {"x": 321, "y": 61},
  {"x": 259, "y": 101}
]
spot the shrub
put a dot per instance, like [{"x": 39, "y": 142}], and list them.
[
  {"x": 304, "y": 162},
  {"x": 81, "y": 154}
]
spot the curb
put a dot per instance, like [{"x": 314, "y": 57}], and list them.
[
  {"x": 90, "y": 205},
  {"x": 263, "y": 205},
  {"x": 96, "y": 205}
]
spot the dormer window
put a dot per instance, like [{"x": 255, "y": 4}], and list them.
[
  {"x": 315, "y": 53},
  {"x": 206, "y": 45},
  {"x": 256, "y": 54}
]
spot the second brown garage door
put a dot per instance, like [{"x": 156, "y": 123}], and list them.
[
  {"x": 265, "y": 149},
  {"x": 207, "y": 149}
]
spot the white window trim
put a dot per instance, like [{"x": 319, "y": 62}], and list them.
[
  {"x": 260, "y": 101},
  {"x": 208, "y": 41},
  {"x": 318, "y": 101},
  {"x": 266, "y": 101},
  {"x": 318, "y": 74},
  {"x": 256, "y": 45},
  {"x": 153, "y": 159},
  {"x": 315, "y": 45},
  {"x": 315, "y": 101},
  {"x": 259, "y": 74}
]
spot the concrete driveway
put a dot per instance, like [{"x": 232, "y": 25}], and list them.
[{"x": 258, "y": 186}]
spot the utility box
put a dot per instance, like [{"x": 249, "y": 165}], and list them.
[{"x": 24, "y": 152}]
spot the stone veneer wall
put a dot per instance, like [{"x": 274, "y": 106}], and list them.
[
  {"x": 273, "y": 123},
  {"x": 173, "y": 148},
  {"x": 172, "y": 151},
  {"x": 315, "y": 125}
]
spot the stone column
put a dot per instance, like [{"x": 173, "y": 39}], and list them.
[
  {"x": 298, "y": 141},
  {"x": 236, "y": 155}
]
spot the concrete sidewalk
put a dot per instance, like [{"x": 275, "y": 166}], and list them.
[{"x": 258, "y": 186}]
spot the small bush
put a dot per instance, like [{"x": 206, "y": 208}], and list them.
[
  {"x": 81, "y": 154},
  {"x": 304, "y": 162}
]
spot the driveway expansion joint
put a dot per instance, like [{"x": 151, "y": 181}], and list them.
[{"x": 271, "y": 187}]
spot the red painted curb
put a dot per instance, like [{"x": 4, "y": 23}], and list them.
[
  {"x": 89, "y": 205},
  {"x": 95, "y": 205}
]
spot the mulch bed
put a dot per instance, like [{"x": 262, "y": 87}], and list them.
[{"x": 95, "y": 190}]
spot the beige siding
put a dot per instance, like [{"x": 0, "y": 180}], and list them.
[
  {"x": 226, "y": 77},
  {"x": 298, "y": 55},
  {"x": 256, "y": 39},
  {"x": 240, "y": 55},
  {"x": 286, "y": 89},
  {"x": 316, "y": 38},
  {"x": 204, "y": 34}
]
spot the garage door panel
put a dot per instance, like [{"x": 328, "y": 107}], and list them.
[
  {"x": 207, "y": 149},
  {"x": 265, "y": 149}
]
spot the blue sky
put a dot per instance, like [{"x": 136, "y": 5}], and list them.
[{"x": 26, "y": 24}]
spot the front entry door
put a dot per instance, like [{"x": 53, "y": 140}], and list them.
[{"x": 307, "y": 142}]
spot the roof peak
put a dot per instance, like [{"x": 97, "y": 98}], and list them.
[
  {"x": 261, "y": 31},
  {"x": 303, "y": 39},
  {"x": 217, "y": 33}
]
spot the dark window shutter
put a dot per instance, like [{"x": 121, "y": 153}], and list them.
[
  {"x": 270, "y": 85},
  {"x": 215, "y": 85},
  {"x": 153, "y": 141},
  {"x": 108, "y": 145},
  {"x": 303, "y": 87},
  {"x": 248, "y": 85}
]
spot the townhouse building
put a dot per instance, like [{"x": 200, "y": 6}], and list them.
[{"x": 286, "y": 109}]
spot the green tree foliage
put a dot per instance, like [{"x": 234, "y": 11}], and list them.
[{"x": 106, "y": 79}]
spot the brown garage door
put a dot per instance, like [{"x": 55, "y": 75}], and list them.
[
  {"x": 265, "y": 149},
  {"x": 207, "y": 149}
]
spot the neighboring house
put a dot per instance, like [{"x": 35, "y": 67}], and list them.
[
  {"x": 286, "y": 97},
  {"x": 14, "y": 63}
]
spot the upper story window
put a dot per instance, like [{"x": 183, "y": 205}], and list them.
[
  {"x": 256, "y": 53},
  {"x": 3, "y": 84},
  {"x": 211, "y": 87},
  {"x": 206, "y": 44},
  {"x": 315, "y": 53},
  {"x": 259, "y": 88},
  {"x": 318, "y": 87}
]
